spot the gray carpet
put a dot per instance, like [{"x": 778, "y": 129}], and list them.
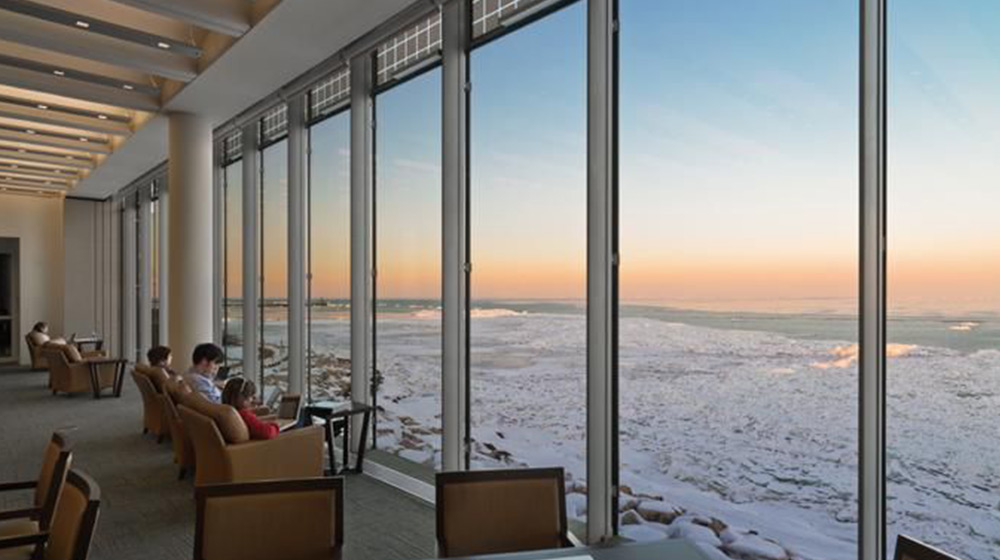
[{"x": 146, "y": 512}]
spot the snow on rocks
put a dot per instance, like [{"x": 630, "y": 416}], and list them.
[
  {"x": 642, "y": 533},
  {"x": 576, "y": 505},
  {"x": 658, "y": 510},
  {"x": 751, "y": 547}
]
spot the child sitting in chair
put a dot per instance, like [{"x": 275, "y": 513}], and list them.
[{"x": 241, "y": 394}]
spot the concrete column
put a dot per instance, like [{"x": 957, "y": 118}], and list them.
[
  {"x": 297, "y": 170},
  {"x": 129, "y": 296},
  {"x": 190, "y": 227},
  {"x": 164, "y": 271},
  {"x": 144, "y": 260},
  {"x": 251, "y": 254}
]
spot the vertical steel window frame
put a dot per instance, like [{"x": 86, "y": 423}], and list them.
[
  {"x": 456, "y": 38},
  {"x": 362, "y": 233},
  {"x": 872, "y": 289},
  {"x": 602, "y": 269},
  {"x": 129, "y": 266},
  {"x": 297, "y": 170},
  {"x": 144, "y": 270},
  {"x": 251, "y": 268},
  {"x": 219, "y": 241}
]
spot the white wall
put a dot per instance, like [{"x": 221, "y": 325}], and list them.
[
  {"x": 38, "y": 223},
  {"x": 91, "y": 261}
]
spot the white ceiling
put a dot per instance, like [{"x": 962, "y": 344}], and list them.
[{"x": 295, "y": 36}]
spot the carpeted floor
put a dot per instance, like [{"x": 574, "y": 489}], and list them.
[{"x": 146, "y": 513}]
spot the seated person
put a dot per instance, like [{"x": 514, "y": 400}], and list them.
[
  {"x": 241, "y": 394},
  {"x": 161, "y": 357},
  {"x": 206, "y": 359}
]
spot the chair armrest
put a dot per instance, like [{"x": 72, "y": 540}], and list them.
[
  {"x": 24, "y": 540},
  {"x": 30, "y": 513},
  {"x": 26, "y": 485},
  {"x": 293, "y": 454},
  {"x": 94, "y": 354},
  {"x": 101, "y": 361}
]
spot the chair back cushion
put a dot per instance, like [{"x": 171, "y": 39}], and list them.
[
  {"x": 296, "y": 519},
  {"x": 75, "y": 519},
  {"x": 72, "y": 353},
  {"x": 911, "y": 549},
  {"x": 232, "y": 428},
  {"x": 492, "y": 512},
  {"x": 56, "y": 463},
  {"x": 157, "y": 375}
]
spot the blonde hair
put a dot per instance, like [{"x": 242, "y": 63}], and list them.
[{"x": 238, "y": 387}]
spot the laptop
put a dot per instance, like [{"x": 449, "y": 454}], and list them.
[{"x": 288, "y": 411}]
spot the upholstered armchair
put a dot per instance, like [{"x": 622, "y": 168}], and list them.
[
  {"x": 183, "y": 450},
  {"x": 224, "y": 452},
  {"x": 72, "y": 529},
  {"x": 35, "y": 341},
  {"x": 56, "y": 463},
  {"x": 527, "y": 511},
  {"x": 70, "y": 372},
  {"x": 154, "y": 419},
  {"x": 298, "y": 519}
]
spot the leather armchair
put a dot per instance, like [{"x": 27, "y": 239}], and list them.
[
  {"x": 56, "y": 463},
  {"x": 526, "y": 511},
  {"x": 153, "y": 416},
  {"x": 70, "y": 372},
  {"x": 224, "y": 452},
  {"x": 183, "y": 450},
  {"x": 298, "y": 519},
  {"x": 35, "y": 341},
  {"x": 72, "y": 527}
]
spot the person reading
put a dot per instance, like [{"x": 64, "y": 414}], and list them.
[
  {"x": 161, "y": 357},
  {"x": 201, "y": 377},
  {"x": 241, "y": 394}
]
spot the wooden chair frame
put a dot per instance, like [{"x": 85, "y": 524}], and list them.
[
  {"x": 495, "y": 475},
  {"x": 203, "y": 493},
  {"x": 85, "y": 533}
]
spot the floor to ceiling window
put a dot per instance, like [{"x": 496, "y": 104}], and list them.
[
  {"x": 944, "y": 275},
  {"x": 330, "y": 259},
  {"x": 738, "y": 292},
  {"x": 528, "y": 224},
  {"x": 232, "y": 334},
  {"x": 274, "y": 270},
  {"x": 408, "y": 260}
]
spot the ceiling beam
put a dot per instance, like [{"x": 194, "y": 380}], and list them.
[
  {"x": 81, "y": 43},
  {"x": 53, "y": 116},
  {"x": 30, "y": 185},
  {"x": 67, "y": 87},
  {"x": 38, "y": 138},
  {"x": 229, "y": 17},
  {"x": 53, "y": 180},
  {"x": 94, "y": 24},
  {"x": 20, "y": 168},
  {"x": 41, "y": 157}
]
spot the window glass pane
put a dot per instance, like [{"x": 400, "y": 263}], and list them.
[
  {"x": 330, "y": 259},
  {"x": 944, "y": 275},
  {"x": 408, "y": 48},
  {"x": 154, "y": 250},
  {"x": 528, "y": 244},
  {"x": 738, "y": 312},
  {"x": 408, "y": 257},
  {"x": 490, "y": 15},
  {"x": 274, "y": 270},
  {"x": 330, "y": 93},
  {"x": 232, "y": 337}
]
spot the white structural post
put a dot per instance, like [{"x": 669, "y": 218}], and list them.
[
  {"x": 455, "y": 235},
  {"x": 191, "y": 256},
  {"x": 602, "y": 271},
  {"x": 129, "y": 279},
  {"x": 251, "y": 246},
  {"x": 872, "y": 360},
  {"x": 297, "y": 173},
  {"x": 362, "y": 256},
  {"x": 144, "y": 260}
]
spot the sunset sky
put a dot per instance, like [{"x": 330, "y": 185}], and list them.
[{"x": 738, "y": 159}]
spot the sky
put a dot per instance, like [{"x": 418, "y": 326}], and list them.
[{"x": 738, "y": 159}]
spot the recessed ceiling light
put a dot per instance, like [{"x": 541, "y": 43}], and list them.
[
  {"x": 82, "y": 24},
  {"x": 163, "y": 45},
  {"x": 42, "y": 106},
  {"x": 129, "y": 87},
  {"x": 59, "y": 72},
  {"x": 102, "y": 117},
  {"x": 21, "y": 150},
  {"x": 29, "y": 131},
  {"x": 69, "y": 157},
  {"x": 84, "y": 139},
  {"x": 40, "y": 192}
]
